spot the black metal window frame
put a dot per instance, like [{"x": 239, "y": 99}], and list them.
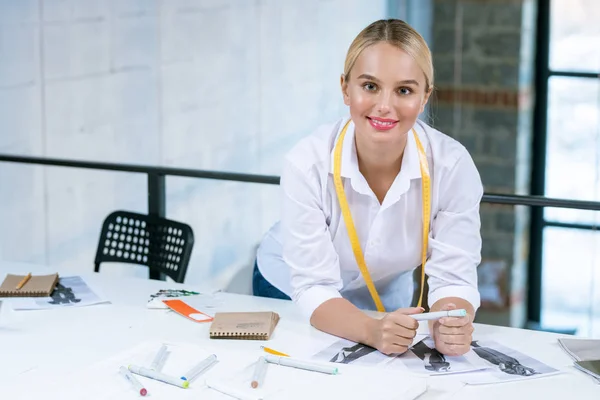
[{"x": 543, "y": 73}]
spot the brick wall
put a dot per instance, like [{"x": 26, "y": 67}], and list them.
[{"x": 483, "y": 59}]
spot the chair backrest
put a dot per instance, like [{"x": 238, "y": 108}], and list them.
[{"x": 163, "y": 245}]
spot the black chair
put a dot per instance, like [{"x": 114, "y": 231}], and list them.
[{"x": 164, "y": 246}]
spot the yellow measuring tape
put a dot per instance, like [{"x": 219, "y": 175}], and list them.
[{"x": 360, "y": 259}]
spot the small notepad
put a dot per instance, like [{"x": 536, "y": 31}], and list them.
[
  {"x": 36, "y": 286},
  {"x": 244, "y": 325}
]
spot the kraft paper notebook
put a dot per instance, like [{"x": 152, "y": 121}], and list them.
[
  {"x": 36, "y": 286},
  {"x": 244, "y": 325}
]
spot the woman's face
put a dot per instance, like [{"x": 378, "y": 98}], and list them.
[{"x": 385, "y": 93}]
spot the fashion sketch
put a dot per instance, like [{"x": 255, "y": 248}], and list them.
[
  {"x": 346, "y": 355},
  {"x": 63, "y": 295},
  {"x": 344, "y": 351},
  {"x": 433, "y": 360},
  {"x": 423, "y": 358},
  {"x": 505, "y": 363}
]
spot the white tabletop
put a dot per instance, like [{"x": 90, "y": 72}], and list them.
[{"x": 50, "y": 341}]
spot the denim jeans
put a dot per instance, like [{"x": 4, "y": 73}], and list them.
[{"x": 261, "y": 287}]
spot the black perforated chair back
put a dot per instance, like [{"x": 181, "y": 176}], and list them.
[{"x": 163, "y": 245}]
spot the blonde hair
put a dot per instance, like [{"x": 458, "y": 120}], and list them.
[{"x": 399, "y": 34}]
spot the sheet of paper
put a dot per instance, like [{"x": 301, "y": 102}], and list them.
[
  {"x": 71, "y": 291},
  {"x": 103, "y": 381},
  {"x": 353, "y": 381},
  {"x": 208, "y": 303},
  {"x": 423, "y": 358},
  {"x": 348, "y": 352},
  {"x": 442, "y": 388},
  {"x": 505, "y": 364},
  {"x": 235, "y": 370},
  {"x": 344, "y": 351},
  {"x": 155, "y": 300}
]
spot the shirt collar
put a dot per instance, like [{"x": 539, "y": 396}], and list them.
[
  {"x": 410, "y": 160},
  {"x": 410, "y": 168},
  {"x": 349, "y": 168},
  {"x": 349, "y": 157}
]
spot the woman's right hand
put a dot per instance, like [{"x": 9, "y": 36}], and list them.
[{"x": 394, "y": 333}]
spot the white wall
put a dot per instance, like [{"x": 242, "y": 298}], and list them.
[{"x": 207, "y": 84}]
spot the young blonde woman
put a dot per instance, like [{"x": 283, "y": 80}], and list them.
[{"x": 369, "y": 198}]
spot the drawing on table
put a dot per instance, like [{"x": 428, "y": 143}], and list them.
[
  {"x": 347, "y": 352},
  {"x": 346, "y": 355},
  {"x": 63, "y": 295},
  {"x": 507, "y": 364},
  {"x": 71, "y": 291},
  {"x": 432, "y": 358},
  {"x": 155, "y": 300},
  {"x": 423, "y": 358}
]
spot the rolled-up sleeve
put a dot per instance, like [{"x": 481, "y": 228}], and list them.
[
  {"x": 455, "y": 239},
  {"x": 307, "y": 246}
]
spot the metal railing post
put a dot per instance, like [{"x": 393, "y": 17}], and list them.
[{"x": 156, "y": 207}]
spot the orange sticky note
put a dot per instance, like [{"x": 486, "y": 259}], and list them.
[{"x": 182, "y": 308}]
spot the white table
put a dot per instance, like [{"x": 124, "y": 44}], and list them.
[{"x": 47, "y": 341}]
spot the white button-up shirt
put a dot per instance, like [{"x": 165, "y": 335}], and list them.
[{"x": 308, "y": 254}]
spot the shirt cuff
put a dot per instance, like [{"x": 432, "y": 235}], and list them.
[
  {"x": 313, "y": 297},
  {"x": 467, "y": 293}
]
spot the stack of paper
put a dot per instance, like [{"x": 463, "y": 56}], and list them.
[
  {"x": 487, "y": 362},
  {"x": 585, "y": 352},
  {"x": 581, "y": 349}
]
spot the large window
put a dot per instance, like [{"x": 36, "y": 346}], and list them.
[{"x": 568, "y": 127}]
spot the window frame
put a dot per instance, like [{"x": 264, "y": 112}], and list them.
[{"x": 543, "y": 73}]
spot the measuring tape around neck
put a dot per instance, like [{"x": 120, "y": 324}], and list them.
[{"x": 341, "y": 195}]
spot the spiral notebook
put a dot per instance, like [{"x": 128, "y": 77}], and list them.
[
  {"x": 244, "y": 325},
  {"x": 36, "y": 286}
]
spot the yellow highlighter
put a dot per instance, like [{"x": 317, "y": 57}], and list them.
[{"x": 274, "y": 352}]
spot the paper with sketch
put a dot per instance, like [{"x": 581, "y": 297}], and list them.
[
  {"x": 156, "y": 299},
  {"x": 234, "y": 370},
  {"x": 505, "y": 364},
  {"x": 344, "y": 351},
  {"x": 71, "y": 291},
  {"x": 348, "y": 352},
  {"x": 424, "y": 358}
]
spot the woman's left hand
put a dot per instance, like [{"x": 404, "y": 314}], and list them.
[{"x": 453, "y": 335}]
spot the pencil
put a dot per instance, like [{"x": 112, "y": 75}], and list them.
[
  {"x": 23, "y": 281},
  {"x": 274, "y": 352}
]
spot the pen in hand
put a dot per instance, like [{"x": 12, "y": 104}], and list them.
[{"x": 439, "y": 314}]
